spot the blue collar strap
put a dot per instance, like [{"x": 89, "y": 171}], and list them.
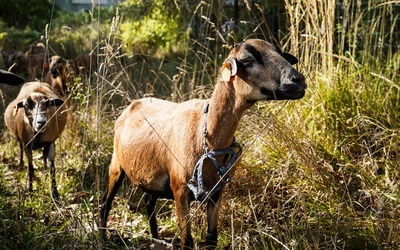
[
  {"x": 196, "y": 183},
  {"x": 232, "y": 153}
]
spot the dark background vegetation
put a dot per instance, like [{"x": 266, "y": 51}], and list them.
[{"x": 317, "y": 173}]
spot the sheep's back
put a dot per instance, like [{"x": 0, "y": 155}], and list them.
[
  {"x": 13, "y": 120},
  {"x": 39, "y": 87},
  {"x": 154, "y": 136}
]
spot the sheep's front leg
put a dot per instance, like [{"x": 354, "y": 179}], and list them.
[
  {"x": 182, "y": 203},
  {"x": 21, "y": 156},
  {"x": 49, "y": 151},
  {"x": 212, "y": 220},
  {"x": 115, "y": 178},
  {"x": 28, "y": 152}
]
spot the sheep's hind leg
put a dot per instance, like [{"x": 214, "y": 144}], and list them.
[
  {"x": 49, "y": 153},
  {"x": 116, "y": 176},
  {"x": 151, "y": 201}
]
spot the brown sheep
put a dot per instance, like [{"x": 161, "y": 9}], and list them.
[
  {"x": 85, "y": 64},
  {"x": 36, "y": 118},
  {"x": 61, "y": 75},
  {"x": 63, "y": 71},
  {"x": 157, "y": 143},
  {"x": 36, "y": 48}
]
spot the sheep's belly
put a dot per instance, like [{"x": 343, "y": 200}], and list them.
[
  {"x": 159, "y": 187},
  {"x": 157, "y": 184}
]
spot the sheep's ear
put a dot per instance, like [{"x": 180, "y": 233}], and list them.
[
  {"x": 19, "y": 105},
  {"x": 56, "y": 102},
  {"x": 229, "y": 69},
  {"x": 290, "y": 58},
  {"x": 10, "y": 78}
]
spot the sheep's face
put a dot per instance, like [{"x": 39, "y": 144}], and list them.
[
  {"x": 6, "y": 58},
  {"x": 261, "y": 71},
  {"x": 16, "y": 62},
  {"x": 37, "y": 110}
]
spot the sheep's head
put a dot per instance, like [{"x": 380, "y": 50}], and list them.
[
  {"x": 57, "y": 66},
  {"x": 16, "y": 62},
  {"x": 261, "y": 71},
  {"x": 6, "y": 58},
  {"x": 36, "y": 48},
  {"x": 37, "y": 108},
  {"x": 60, "y": 67}
]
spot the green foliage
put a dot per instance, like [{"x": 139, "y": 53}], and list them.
[
  {"x": 151, "y": 27},
  {"x": 74, "y": 34},
  {"x": 21, "y": 14},
  {"x": 15, "y": 39}
]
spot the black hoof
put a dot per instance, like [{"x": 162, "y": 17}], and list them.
[{"x": 55, "y": 195}]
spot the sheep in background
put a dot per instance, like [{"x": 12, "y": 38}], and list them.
[
  {"x": 35, "y": 66},
  {"x": 61, "y": 75},
  {"x": 36, "y": 118},
  {"x": 36, "y": 48},
  {"x": 85, "y": 64},
  {"x": 63, "y": 71},
  {"x": 7, "y": 55}
]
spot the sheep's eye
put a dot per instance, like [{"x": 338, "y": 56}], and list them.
[
  {"x": 247, "y": 61},
  {"x": 45, "y": 103},
  {"x": 29, "y": 104}
]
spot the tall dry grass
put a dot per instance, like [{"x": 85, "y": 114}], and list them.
[{"x": 332, "y": 158}]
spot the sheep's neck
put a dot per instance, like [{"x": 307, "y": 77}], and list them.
[{"x": 225, "y": 111}]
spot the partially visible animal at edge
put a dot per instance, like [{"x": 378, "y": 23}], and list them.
[
  {"x": 36, "y": 118},
  {"x": 10, "y": 78},
  {"x": 157, "y": 143}
]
